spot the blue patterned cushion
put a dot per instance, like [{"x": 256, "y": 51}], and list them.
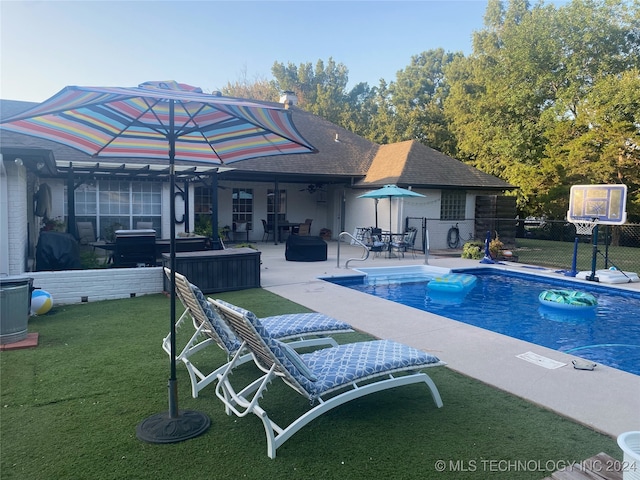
[
  {"x": 338, "y": 366},
  {"x": 290, "y": 325},
  {"x": 296, "y": 324},
  {"x": 231, "y": 342},
  {"x": 297, "y": 361},
  {"x": 277, "y": 351}
]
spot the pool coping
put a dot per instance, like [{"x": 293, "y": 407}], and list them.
[{"x": 605, "y": 399}]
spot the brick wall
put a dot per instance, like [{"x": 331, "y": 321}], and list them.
[{"x": 77, "y": 286}]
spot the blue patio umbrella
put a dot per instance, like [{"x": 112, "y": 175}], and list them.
[
  {"x": 389, "y": 191},
  {"x": 167, "y": 121}
]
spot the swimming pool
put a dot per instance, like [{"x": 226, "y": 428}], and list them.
[{"x": 507, "y": 302}]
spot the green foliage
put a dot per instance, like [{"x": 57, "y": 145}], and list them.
[
  {"x": 495, "y": 247},
  {"x": 245, "y": 245},
  {"x": 522, "y": 105},
  {"x": 260, "y": 89},
  {"x": 473, "y": 250},
  {"x": 110, "y": 232},
  {"x": 89, "y": 259},
  {"x": 320, "y": 91},
  {"x": 417, "y": 97},
  {"x": 55, "y": 224},
  {"x": 202, "y": 225}
]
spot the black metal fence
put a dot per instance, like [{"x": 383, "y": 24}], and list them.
[{"x": 552, "y": 243}]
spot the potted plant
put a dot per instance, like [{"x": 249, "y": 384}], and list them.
[
  {"x": 325, "y": 234},
  {"x": 54, "y": 225},
  {"x": 495, "y": 247},
  {"x": 110, "y": 232},
  {"x": 223, "y": 232}
]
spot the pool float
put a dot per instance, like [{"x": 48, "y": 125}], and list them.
[
  {"x": 452, "y": 282},
  {"x": 568, "y": 299},
  {"x": 611, "y": 276}
]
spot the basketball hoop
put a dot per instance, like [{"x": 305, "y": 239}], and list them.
[{"x": 585, "y": 227}]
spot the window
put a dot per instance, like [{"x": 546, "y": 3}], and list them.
[
  {"x": 282, "y": 206},
  {"x": 243, "y": 206},
  {"x": 452, "y": 205},
  {"x": 202, "y": 200},
  {"x": 117, "y": 204}
]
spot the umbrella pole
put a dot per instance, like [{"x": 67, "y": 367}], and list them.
[
  {"x": 172, "y": 426},
  {"x": 376, "y": 200}
]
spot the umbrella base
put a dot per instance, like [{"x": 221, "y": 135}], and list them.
[{"x": 162, "y": 428}]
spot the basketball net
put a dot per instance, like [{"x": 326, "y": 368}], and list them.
[{"x": 585, "y": 227}]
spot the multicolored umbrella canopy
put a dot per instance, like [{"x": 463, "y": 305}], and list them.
[
  {"x": 167, "y": 121},
  {"x": 389, "y": 191},
  {"x": 140, "y": 122}
]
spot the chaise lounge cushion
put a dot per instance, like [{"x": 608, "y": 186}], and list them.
[
  {"x": 229, "y": 339},
  {"x": 294, "y": 358},
  {"x": 293, "y": 325},
  {"x": 336, "y": 367}
]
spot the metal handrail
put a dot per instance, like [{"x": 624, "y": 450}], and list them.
[{"x": 354, "y": 239}]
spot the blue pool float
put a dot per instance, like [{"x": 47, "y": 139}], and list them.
[
  {"x": 568, "y": 299},
  {"x": 452, "y": 282}
]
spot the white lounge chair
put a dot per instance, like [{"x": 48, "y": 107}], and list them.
[
  {"x": 328, "y": 377},
  {"x": 300, "y": 329}
]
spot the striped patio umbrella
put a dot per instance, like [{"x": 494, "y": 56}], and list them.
[
  {"x": 161, "y": 120},
  {"x": 165, "y": 121}
]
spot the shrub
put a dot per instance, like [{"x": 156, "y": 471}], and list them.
[
  {"x": 495, "y": 247},
  {"x": 473, "y": 250}
]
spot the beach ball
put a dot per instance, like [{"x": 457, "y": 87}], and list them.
[{"x": 41, "y": 302}]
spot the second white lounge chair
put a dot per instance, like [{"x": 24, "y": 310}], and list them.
[
  {"x": 299, "y": 329},
  {"x": 328, "y": 377}
]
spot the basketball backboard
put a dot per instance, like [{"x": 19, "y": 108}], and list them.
[{"x": 605, "y": 204}]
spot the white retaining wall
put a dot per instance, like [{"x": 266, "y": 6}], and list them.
[{"x": 78, "y": 286}]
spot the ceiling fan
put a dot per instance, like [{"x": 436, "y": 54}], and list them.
[{"x": 313, "y": 188}]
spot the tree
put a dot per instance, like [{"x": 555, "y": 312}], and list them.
[
  {"x": 259, "y": 89},
  {"x": 418, "y": 96},
  {"x": 514, "y": 104},
  {"x": 320, "y": 91}
]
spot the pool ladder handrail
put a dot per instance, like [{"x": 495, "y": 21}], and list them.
[{"x": 358, "y": 242}]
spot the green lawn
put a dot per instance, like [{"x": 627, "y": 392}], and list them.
[
  {"x": 70, "y": 409},
  {"x": 554, "y": 254}
]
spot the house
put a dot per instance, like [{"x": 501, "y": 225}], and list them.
[{"x": 324, "y": 187}]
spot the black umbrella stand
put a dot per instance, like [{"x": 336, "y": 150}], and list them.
[{"x": 172, "y": 426}]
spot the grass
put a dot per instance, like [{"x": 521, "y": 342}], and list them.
[
  {"x": 560, "y": 255},
  {"x": 71, "y": 405}
]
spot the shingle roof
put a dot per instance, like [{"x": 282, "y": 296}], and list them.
[
  {"x": 340, "y": 152},
  {"x": 412, "y": 163},
  {"x": 343, "y": 156}
]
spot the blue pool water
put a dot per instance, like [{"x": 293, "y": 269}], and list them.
[{"x": 507, "y": 303}]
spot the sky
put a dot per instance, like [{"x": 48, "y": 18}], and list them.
[{"x": 47, "y": 45}]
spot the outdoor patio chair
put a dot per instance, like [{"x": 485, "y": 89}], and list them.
[
  {"x": 328, "y": 377},
  {"x": 308, "y": 222},
  {"x": 303, "y": 229},
  {"x": 240, "y": 231},
  {"x": 268, "y": 231},
  {"x": 300, "y": 329},
  {"x": 405, "y": 242},
  {"x": 86, "y": 233},
  {"x": 376, "y": 244}
]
